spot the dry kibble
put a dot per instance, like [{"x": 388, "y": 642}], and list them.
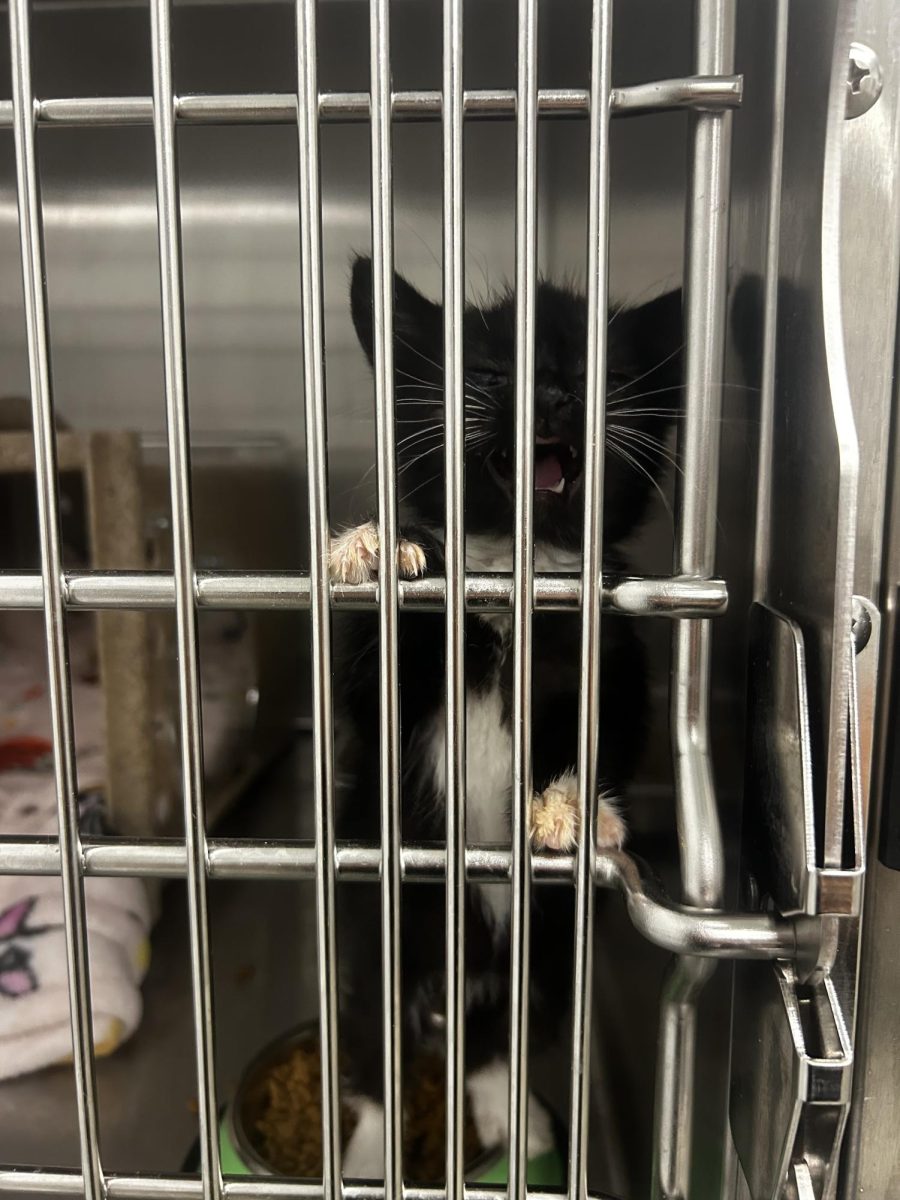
[{"x": 288, "y": 1133}]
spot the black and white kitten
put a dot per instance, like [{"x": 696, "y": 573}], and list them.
[{"x": 643, "y": 392}]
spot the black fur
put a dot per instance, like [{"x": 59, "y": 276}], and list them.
[{"x": 643, "y": 356}]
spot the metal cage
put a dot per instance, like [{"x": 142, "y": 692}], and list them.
[{"x": 812, "y": 645}]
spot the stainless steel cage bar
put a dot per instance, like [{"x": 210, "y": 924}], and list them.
[
  {"x": 455, "y": 573},
  {"x": 523, "y": 591},
  {"x": 389, "y": 709},
  {"x": 175, "y": 375},
  {"x": 65, "y": 769},
  {"x": 700, "y": 838},
  {"x": 647, "y": 596},
  {"x": 280, "y": 108},
  {"x": 591, "y": 590},
  {"x": 320, "y": 601},
  {"x": 668, "y": 925},
  {"x": 61, "y": 1182}
]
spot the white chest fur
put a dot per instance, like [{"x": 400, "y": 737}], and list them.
[
  {"x": 488, "y": 781},
  {"x": 488, "y": 738},
  {"x": 485, "y": 553}
]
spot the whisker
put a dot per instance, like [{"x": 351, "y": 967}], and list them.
[
  {"x": 481, "y": 399},
  {"x": 404, "y": 467},
  {"x": 634, "y": 413},
  {"x": 417, "y": 379},
  {"x": 419, "y": 438},
  {"x": 675, "y": 387},
  {"x": 616, "y": 405},
  {"x": 662, "y": 362},
  {"x": 471, "y": 383},
  {"x": 418, "y": 487},
  {"x": 617, "y": 313},
  {"x": 625, "y": 434},
  {"x": 415, "y": 350},
  {"x": 652, "y": 448},
  {"x": 429, "y": 423},
  {"x": 642, "y": 435},
  {"x": 629, "y": 458},
  {"x": 640, "y": 411}
]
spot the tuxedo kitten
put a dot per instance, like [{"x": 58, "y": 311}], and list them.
[{"x": 643, "y": 391}]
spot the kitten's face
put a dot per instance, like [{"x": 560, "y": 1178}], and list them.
[{"x": 643, "y": 387}]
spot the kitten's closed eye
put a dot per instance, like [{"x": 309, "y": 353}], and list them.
[
  {"x": 487, "y": 377},
  {"x": 615, "y": 380}
]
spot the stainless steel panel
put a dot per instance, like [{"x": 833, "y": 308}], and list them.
[
  {"x": 870, "y": 270},
  {"x": 870, "y": 233},
  {"x": 814, "y": 455}
]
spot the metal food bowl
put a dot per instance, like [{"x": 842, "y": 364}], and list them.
[{"x": 239, "y": 1155}]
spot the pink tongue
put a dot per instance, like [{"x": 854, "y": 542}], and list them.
[{"x": 547, "y": 473}]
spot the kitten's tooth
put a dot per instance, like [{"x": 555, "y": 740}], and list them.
[{"x": 558, "y": 487}]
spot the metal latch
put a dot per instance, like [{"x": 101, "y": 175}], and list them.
[
  {"x": 779, "y": 846},
  {"x": 792, "y": 1053},
  {"x": 791, "y": 1077}
]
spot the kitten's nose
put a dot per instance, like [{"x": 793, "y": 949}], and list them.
[{"x": 553, "y": 407}]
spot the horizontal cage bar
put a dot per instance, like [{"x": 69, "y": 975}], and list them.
[
  {"x": 708, "y": 92},
  {"x": 62, "y": 1181},
  {"x": 677, "y": 929},
  {"x": 649, "y": 596}
]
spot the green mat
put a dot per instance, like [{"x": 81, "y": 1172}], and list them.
[
  {"x": 547, "y": 1170},
  {"x": 228, "y": 1156}
]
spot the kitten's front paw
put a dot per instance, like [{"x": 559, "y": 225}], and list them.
[
  {"x": 488, "y": 1090},
  {"x": 353, "y": 555},
  {"x": 554, "y": 818},
  {"x": 554, "y": 815},
  {"x": 611, "y": 828},
  {"x": 410, "y": 559}
]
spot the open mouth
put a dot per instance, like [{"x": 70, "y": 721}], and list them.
[{"x": 557, "y": 465}]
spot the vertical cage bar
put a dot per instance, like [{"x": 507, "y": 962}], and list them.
[
  {"x": 770, "y": 325},
  {"x": 591, "y": 589},
  {"x": 454, "y": 556},
  {"x": 31, "y": 243},
  {"x": 523, "y": 591},
  {"x": 383, "y": 288},
  {"x": 178, "y": 434},
  {"x": 700, "y": 837},
  {"x": 319, "y": 594}
]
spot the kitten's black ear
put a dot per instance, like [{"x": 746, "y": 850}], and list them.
[
  {"x": 658, "y": 337},
  {"x": 418, "y": 326}
]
